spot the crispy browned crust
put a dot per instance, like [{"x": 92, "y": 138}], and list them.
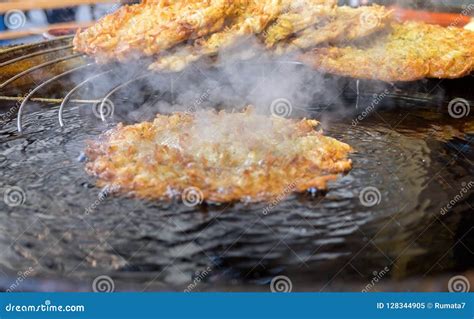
[
  {"x": 284, "y": 20},
  {"x": 249, "y": 20},
  {"x": 345, "y": 24},
  {"x": 295, "y": 19},
  {"x": 356, "y": 42},
  {"x": 410, "y": 51},
  {"x": 152, "y": 27},
  {"x": 224, "y": 156}
]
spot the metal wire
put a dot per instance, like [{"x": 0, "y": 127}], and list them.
[
  {"x": 39, "y": 66},
  {"x": 60, "y": 44},
  {"x": 68, "y": 96},
  {"x": 115, "y": 89},
  {"x": 25, "y": 100},
  {"x": 26, "y": 56},
  {"x": 48, "y": 100},
  {"x": 32, "y": 45}
]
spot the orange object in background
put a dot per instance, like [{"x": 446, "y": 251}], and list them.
[{"x": 444, "y": 19}]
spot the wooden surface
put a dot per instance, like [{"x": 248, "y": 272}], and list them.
[
  {"x": 444, "y": 19},
  {"x": 25, "y": 5},
  {"x": 22, "y": 33},
  {"x": 46, "y": 4}
]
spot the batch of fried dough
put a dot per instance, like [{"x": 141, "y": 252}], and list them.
[
  {"x": 365, "y": 42},
  {"x": 222, "y": 156}
]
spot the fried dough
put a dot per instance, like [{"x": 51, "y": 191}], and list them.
[
  {"x": 345, "y": 24},
  {"x": 253, "y": 19},
  {"x": 226, "y": 157},
  {"x": 152, "y": 27},
  {"x": 361, "y": 42},
  {"x": 410, "y": 51}
]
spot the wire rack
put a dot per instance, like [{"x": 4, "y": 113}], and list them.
[
  {"x": 26, "y": 70},
  {"x": 50, "y": 72}
]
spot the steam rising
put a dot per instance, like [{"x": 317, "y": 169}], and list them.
[
  {"x": 233, "y": 79},
  {"x": 229, "y": 84}
]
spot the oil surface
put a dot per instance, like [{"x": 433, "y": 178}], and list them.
[{"x": 388, "y": 215}]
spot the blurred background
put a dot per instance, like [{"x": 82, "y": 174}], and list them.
[{"x": 29, "y": 21}]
